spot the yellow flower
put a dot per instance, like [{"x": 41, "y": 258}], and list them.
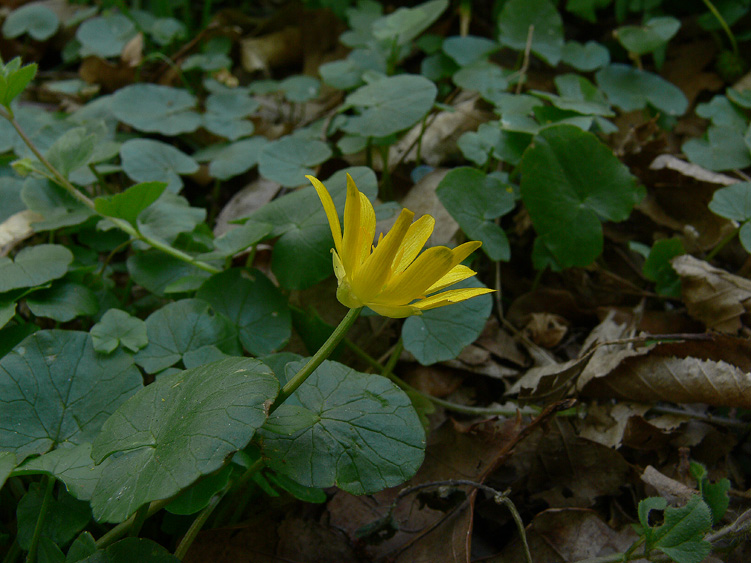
[{"x": 391, "y": 278}]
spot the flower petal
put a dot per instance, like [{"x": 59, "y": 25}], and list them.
[
  {"x": 330, "y": 209},
  {"x": 395, "y": 311},
  {"x": 339, "y": 270},
  {"x": 376, "y": 270},
  {"x": 351, "y": 245},
  {"x": 426, "y": 270},
  {"x": 457, "y": 274},
  {"x": 449, "y": 297},
  {"x": 367, "y": 228},
  {"x": 418, "y": 234}
]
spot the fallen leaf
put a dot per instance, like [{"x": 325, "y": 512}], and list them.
[
  {"x": 690, "y": 170},
  {"x": 675, "y": 492},
  {"x": 253, "y": 196},
  {"x": 569, "y": 534},
  {"x": 677, "y": 380},
  {"x": 16, "y": 229},
  {"x": 717, "y": 298}
]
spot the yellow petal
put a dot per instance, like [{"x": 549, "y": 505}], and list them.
[
  {"x": 449, "y": 297},
  {"x": 351, "y": 249},
  {"x": 395, "y": 311},
  {"x": 464, "y": 250},
  {"x": 426, "y": 270},
  {"x": 418, "y": 234},
  {"x": 457, "y": 274},
  {"x": 330, "y": 209},
  {"x": 376, "y": 270},
  {"x": 367, "y": 228}
]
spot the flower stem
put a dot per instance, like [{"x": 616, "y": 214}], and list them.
[
  {"x": 323, "y": 353},
  {"x": 195, "y": 527},
  {"x": 88, "y": 202}
]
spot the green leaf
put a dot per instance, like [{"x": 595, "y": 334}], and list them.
[
  {"x": 169, "y": 216},
  {"x": 7, "y": 312},
  {"x": 305, "y": 494},
  {"x": 132, "y": 549},
  {"x": 255, "y": 306},
  {"x": 146, "y": 160},
  {"x": 198, "y": 495},
  {"x": 56, "y": 389},
  {"x": 65, "y": 516},
  {"x": 177, "y": 429},
  {"x": 156, "y": 271},
  {"x": 579, "y": 95},
  {"x": 64, "y": 302},
  {"x": 34, "y": 266},
  {"x": 236, "y": 158},
  {"x": 118, "y": 328},
  {"x": 83, "y": 546},
  {"x": 7, "y": 464},
  {"x": 570, "y": 183},
  {"x": 179, "y": 327},
  {"x": 156, "y": 109},
  {"x": 404, "y": 24},
  {"x": 56, "y": 205},
  {"x": 302, "y": 255},
  {"x": 287, "y": 160},
  {"x": 300, "y": 88},
  {"x": 586, "y": 8},
  {"x": 650, "y": 36},
  {"x": 587, "y": 57},
  {"x": 657, "y": 267},
  {"x": 364, "y": 434},
  {"x": 487, "y": 78},
  {"x": 390, "y": 105},
  {"x": 72, "y": 150},
  {"x": 681, "y": 536},
  {"x": 475, "y": 201},
  {"x": 15, "y": 82},
  {"x": 547, "y": 39},
  {"x": 733, "y": 202},
  {"x": 630, "y": 89},
  {"x": 71, "y": 465},
  {"x": 490, "y": 141},
  {"x": 37, "y": 20},
  {"x": 129, "y": 204},
  {"x": 469, "y": 49},
  {"x": 441, "y": 334},
  {"x": 237, "y": 239},
  {"x": 105, "y": 36},
  {"x": 723, "y": 148},
  {"x": 723, "y": 113}
]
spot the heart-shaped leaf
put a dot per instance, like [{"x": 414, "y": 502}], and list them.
[
  {"x": 157, "y": 109},
  {"x": 570, "y": 182},
  {"x": 54, "y": 388},
  {"x": 363, "y": 435},
  {"x": 33, "y": 266},
  {"x": 177, "y": 429}
]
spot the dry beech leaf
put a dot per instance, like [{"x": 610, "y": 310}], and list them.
[
  {"x": 691, "y": 170},
  {"x": 252, "y": 197},
  {"x": 675, "y": 492},
  {"x": 568, "y": 534},
  {"x": 280, "y": 48},
  {"x": 132, "y": 53},
  {"x": 440, "y": 136},
  {"x": 717, "y": 298},
  {"x": 16, "y": 229},
  {"x": 677, "y": 380}
]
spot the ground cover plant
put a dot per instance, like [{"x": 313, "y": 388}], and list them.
[{"x": 360, "y": 281}]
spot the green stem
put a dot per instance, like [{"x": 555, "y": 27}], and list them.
[
  {"x": 140, "y": 517},
  {"x": 323, "y": 353},
  {"x": 49, "y": 485},
  {"x": 85, "y": 200},
  {"x": 195, "y": 527},
  {"x": 387, "y": 193},
  {"x": 720, "y": 245},
  {"x": 122, "y": 528},
  {"x": 726, "y": 28}
]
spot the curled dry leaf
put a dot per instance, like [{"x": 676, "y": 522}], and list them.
[
  {"x": 676, "y": 493},
  {"x": 717, "y": 298},
  {"x": 16, "y": 229},
  {"x": 678, "y": 380}
]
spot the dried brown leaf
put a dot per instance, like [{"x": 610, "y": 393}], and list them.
[
  {"x": 717, "y": 298},
  {"x": 678, "y": 380}
]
